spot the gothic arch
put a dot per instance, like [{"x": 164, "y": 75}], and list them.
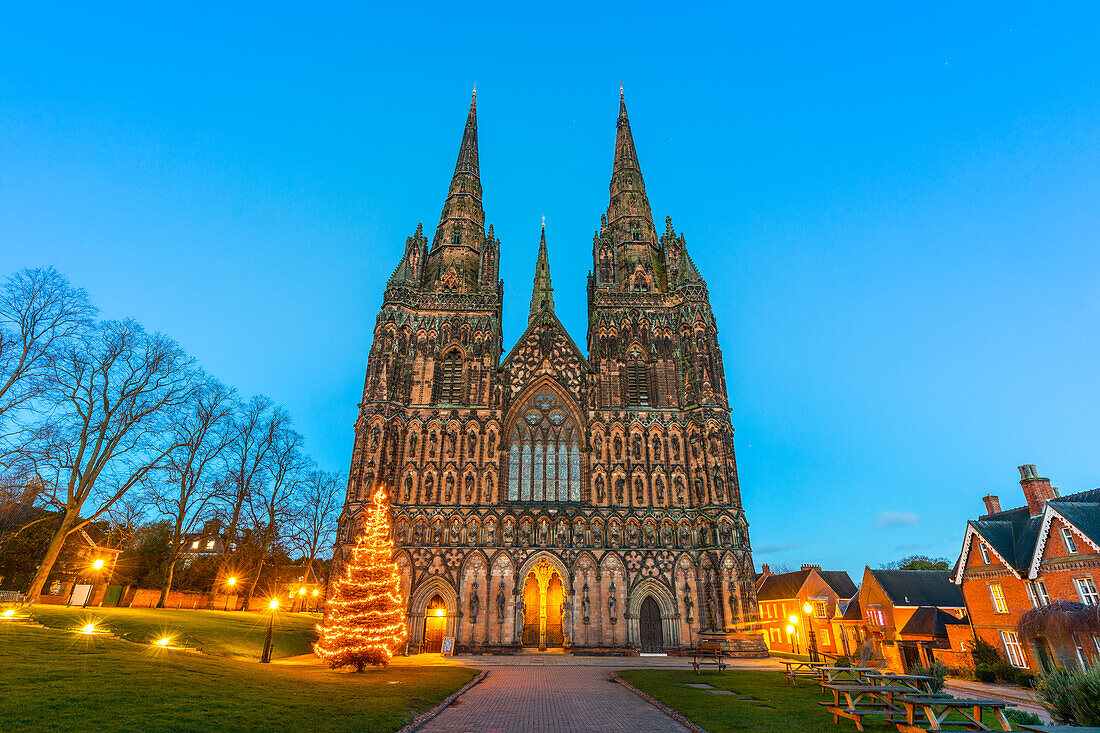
[
  {"x": 544, "y": 430},
  {"x": 659, "y": 592}
]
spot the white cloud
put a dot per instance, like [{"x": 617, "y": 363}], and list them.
[{"x": 895, "y": 519}]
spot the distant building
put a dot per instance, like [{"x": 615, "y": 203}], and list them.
[
  {"x": 784, "y": 596},
  {"x": 1025, "y": 558},
  {"x": 209, "y": 542},
  {"x": 908, "y": 614}
]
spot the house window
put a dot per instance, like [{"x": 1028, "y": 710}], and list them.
[
  {"x": 823, "y": 638},
  {"x": 1068, "y": 541},
  {"x": 1037, "y": 592},
  {"x": 820, "y": 608},
  {"x": 1086, "y": 590},
  {"x": 195, "y": 545},
  {"x": 998, "y": 595},
  {"x": 448, "y": 384},
  {"x": 210, "y": 545},
  {"x": 984, "y": 552},
  {"x": 1079, "y": 650},
  {"x": 544, "y": 458},
  {"x": 1013, "y": 649}
]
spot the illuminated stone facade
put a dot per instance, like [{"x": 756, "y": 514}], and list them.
[{"x": 543, "y": 498}]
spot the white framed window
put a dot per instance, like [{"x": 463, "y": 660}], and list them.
[
  {"x": 823, "y": 638},
  {"x": 1079, "y": 650},
  {"x": 1000, "y": 605},
  {"x": 1086, "y": 590},
  {"x": 984, "y": 552},
  {"x": 1096, "y": 643},
  {"x": 1041, "y": 592},
  {"x": 820, "y": 608},
  {"x": 195, "y": 545},
  {"x": 1068, "y": 541},
  {"x": 1013, "y": 649}
]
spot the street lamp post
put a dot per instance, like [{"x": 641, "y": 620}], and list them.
[
  {"x": 97, "y": 566},
  {"x": 230, "y": 582},
  {"x": 811, "y": 641},
  {"x": 265, "y": 658}
]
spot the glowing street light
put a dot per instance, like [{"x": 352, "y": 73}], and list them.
[
  {"x": 315, "y": 591},
  {"x": 231, "y": 582},
  {"x": 793, "y": 619},
  {"x": 163, "y": 642},
  {"x": 266, "y": 656},
  {"x": 88, "y": 629},
  {"x": 98, "y": 564},
  {"x": 302, "y": 591},
  {"x": 9, "y": 613}
]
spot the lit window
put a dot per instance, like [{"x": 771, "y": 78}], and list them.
[
  {"x": 544, "y": 458},
  {"x": 1013, "y": 649},
  {"x": 1086, "y": 590},
  {"x": 984, "y": 552},
  {"x": 195, "y": 545},
  {"x": 823, "y": 638},
  {"x": 998, "y": 596},
  {"x": 820, "y": 608},
  {"x": 210, "y": 545},
  {"x": 1068, "y": 541}
]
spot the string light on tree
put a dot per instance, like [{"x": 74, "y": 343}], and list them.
[{"x": 365, "y": 613}]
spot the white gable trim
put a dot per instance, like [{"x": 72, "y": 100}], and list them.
[
  {"x": 971, "y": 533},
  {"x": 1049, "y": 513}
]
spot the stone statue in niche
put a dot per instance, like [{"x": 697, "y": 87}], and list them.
[
  {"x": 526, "y": 534},
  {"x": 731, "y": 592},
  {"x": 700, "y": 492},
  {"x": 636, "y": 447},
  {"x": 620, "y": 490},
  {"x": 563, "y": 535},
  {"x": 509, "y": 532},
  {"x": 618, "y": 448},
  {"x": 689, "y": 604},
  {"x": 418, "y": 534},
  {"x": 500, "y": 603},
  {"x": 586, "y": 605},
  {"x": 475, "y": 603},
  {"x": 402, "y": 531},
  {"x": 413, "y": 438},
  {"x": 599, "y": 489},
  {"x": 616, "y": 535},
  {"x": 666, "y": 536},
  {"x": 375, "y": 436},
  {"x": 685, "y": 536},
  {"x": 639, "y": 490},
  {"x": 712, "y": 607},
  {"x": 694, "y": 441},
  {"x": 456, "y": 532},
  {"x": 450, "y": 483},
  {"x": 437, "y": 533},
  {"x": 452, "y": 442},
  {"x": 488, "y": 488},
  {"x": 469, "y": 487},
  {"x": 656, "y": 448},
  {"x": 680, "y": 490},
  {"x": 471, "y": 444},
  {"x": 632, "y": 535},
  {"x": 492, "y": 446},
  {"x": 704, "y": 534},
  {"x": 429, "y": 488},
  {"x": 659, "y": 485},
  {"x": 408, "y": 489},
  {"x": 491, "y": 533},
  {"x": 543, "y": 534},
  {"x": 675, "y": 447},
  {"x": 471, "y": 533},
  {"x": 578, "y": 535},
  {"x": 433, "y": 440},
  {"x": 566, "y": 614},
  {"x": 612, "y": 602},
  {"x": 650, "y": 536},
  {"x": 597, "y": 445},
  {"x": 719, "y": 490}
]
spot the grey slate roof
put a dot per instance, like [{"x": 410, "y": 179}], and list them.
[
  {"x": 930, "y": 621},
  {"x": 1013, "y": 533},
  {"x": 920, "y": 588},
  {"x": 786, "y": 585}
]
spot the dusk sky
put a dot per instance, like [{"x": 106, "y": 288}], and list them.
[{"x": 896, "y": 211}]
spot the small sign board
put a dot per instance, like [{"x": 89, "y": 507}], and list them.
[{"x": 448, "y": 649}]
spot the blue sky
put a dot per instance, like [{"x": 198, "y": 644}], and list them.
[{"x": 895, "y": 209}]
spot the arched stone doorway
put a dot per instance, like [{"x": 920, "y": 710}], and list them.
[
  {"x": 542, "y": 607},
  {"x": 435, "y": 625},
  {"x": 649, "y": 627}
]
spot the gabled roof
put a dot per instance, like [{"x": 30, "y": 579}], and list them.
[
  {"x": 930, "y": 621},
  {"x": 1014, "y": 535},
  {"x": 852, "y": 611},
  {"x": 919, "y": 588},
  {"x": 550, "y": 319},
  {"x": 787, "y": 585}
]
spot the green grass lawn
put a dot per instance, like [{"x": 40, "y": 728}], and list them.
[
  {"x": 53, "y": 680},
  {"x": 233, "y": 633},
  {"x": 773, "y": 705}
]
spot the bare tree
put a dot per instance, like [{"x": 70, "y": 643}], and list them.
[
  {"x": 254, "y": 434},
  {"x": 271, "y": 504},
  {"x": 186, "y": 487},
  {"x": 313, "y": 522},
  {"x": 111, "y": 392},
  {"x": 39, "y": 312}
]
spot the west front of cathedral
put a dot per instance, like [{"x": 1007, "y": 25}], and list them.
[{"x": 545, "y": 499}]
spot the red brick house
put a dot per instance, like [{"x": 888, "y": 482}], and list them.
[
  {"x": 784, "y": 596},
  {"x": 1024, "y": 558},
  {"x": 909, "y": 614}
]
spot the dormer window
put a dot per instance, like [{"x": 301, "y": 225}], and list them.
[
  {"x": 1069, "y": 541},
  {"x": 984, "y": 552}
]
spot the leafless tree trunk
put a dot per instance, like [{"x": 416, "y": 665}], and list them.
[
  {"x": 317, "y": 506},
  {"x": 187, "y": 485},
  {"x": 110, "y": 395},
  {"x": 39, "y": 313},
  {"x": 247, "y": 460},
  {"x": 270, "y": 505}
]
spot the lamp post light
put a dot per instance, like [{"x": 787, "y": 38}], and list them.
[
  {"x": 229, "y": 582},
  {"x": 792, "y": 630},
  {"x": 811, "y": 641},
  {"x": 97, "y": 566},
  {"x": 265, "y": 658},
  {"x": 301, "y": 598}
]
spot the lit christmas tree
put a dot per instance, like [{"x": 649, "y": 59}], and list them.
[{"x": 365, "y": 614}]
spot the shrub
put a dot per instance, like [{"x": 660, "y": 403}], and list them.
[
  {"x": 1085, "y": 697},
  {"x": 1025, "y": 678},
  {"x": 938, "y": 671},
  {"x": 842, "y": 661},
  {"x": 1022, "y": 717},
  {"x": 1056, "y": 689},
  {"x": 985, "y": 673},
  {"x": 984, "y": 652}
]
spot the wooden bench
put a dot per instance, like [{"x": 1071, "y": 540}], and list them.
[{"x": 708, "y": 652}]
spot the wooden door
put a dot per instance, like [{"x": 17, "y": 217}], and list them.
[
  {"x": 649, "y": 621},
  {"x": 434, "y": 629},
  {"x": 532, "y": 602},
  {"x": 555, "y": 637}
]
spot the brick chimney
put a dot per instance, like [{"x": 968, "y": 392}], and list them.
[
  {"x": 1037, "y": 490},
  {"x": 992, "y": 504},
  {"x": 811, "y": 567},
  {"x": 765, "y": 569}
]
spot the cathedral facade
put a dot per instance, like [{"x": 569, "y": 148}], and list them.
[{"x": 544, "y": 498}]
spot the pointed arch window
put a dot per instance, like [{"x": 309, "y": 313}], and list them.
[
  {"x": 544, "y": 456},
  {"x": 637, "y": 380},
  {"x": 448, "y": 383}
]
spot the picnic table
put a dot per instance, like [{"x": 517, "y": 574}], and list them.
[
  {"x": 864, "y": 699},
  {"x": 839, "y": 674},
  {"x": 798, "y": 668},
  {"x": 915, "y": 682},
  {"x": 938, "y": 709}
]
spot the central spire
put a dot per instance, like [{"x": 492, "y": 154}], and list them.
[
  {"x": 463, "y": 220},
  {"x": 628, "y": 214},
  {"x": 542, "y": 294}
]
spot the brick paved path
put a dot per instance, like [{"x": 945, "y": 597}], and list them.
[{"x": 533, "y": 699}]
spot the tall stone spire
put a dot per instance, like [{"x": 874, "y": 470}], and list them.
[
  {"x": 628, "y": 214},
  {"x": 463, "y": 220},
  {"x": 542, "y": 294}
]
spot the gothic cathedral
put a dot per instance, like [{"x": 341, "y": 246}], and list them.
[{"x": 543, "y": 499}]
